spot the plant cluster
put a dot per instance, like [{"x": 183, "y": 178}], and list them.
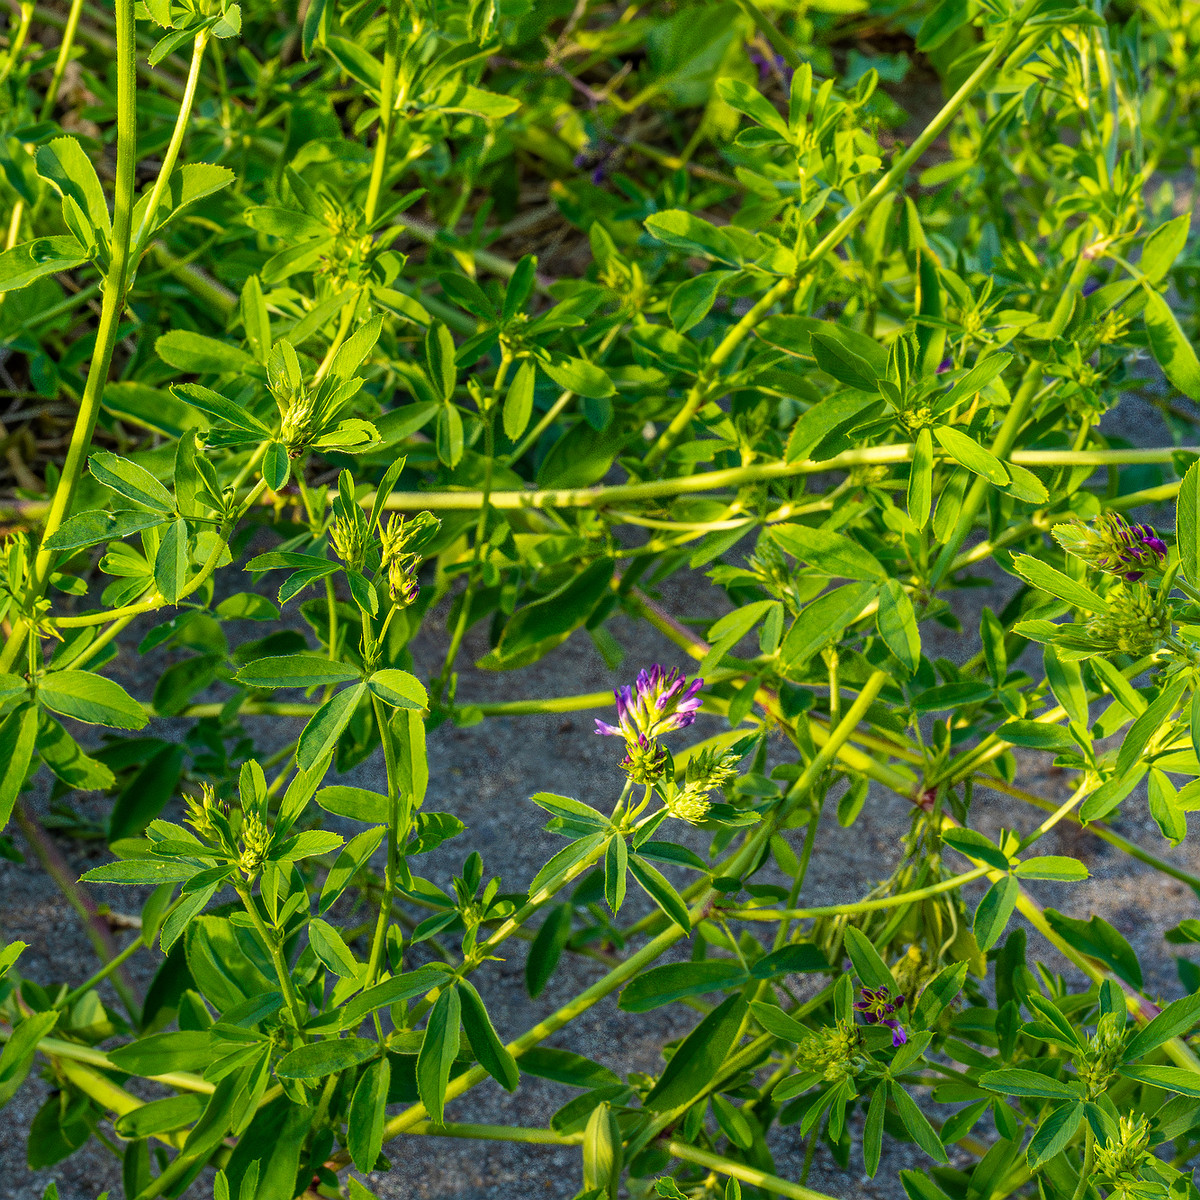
[{"x": 269, "y": 359}]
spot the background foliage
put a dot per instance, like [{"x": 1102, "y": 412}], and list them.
[{"x": 833, "y": 300}]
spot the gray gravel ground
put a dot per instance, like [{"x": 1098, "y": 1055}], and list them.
[{"x": 484, "y": 776}]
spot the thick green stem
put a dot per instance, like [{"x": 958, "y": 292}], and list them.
[{"x": 115, "y": 285}]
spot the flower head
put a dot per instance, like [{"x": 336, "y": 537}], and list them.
[
  {"x": 1111, "y": 544},
  {"x": 689, "y": 804},
  {"x": 399, "y": 541},
  {"x": 644, "y": 761},
  {"x": 256, "y": 838},
  {"x": 1120, "y": 1161},
  {"x": 660, "y": 702},
  {"x": 200, "y": 810},
  {"x": 878, "y": 1007},
  {"x": 1136, "y": 621}
]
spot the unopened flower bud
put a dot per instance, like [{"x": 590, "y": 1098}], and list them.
[
  {"x": 255, "y": 840},
  {"x": 689, "y": 804}
]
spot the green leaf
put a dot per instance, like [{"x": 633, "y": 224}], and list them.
[
  {"x": 295, "y": 670},
  {"x": 18, "y": 737},
  {"x": 920, "y": 480},
  {"x": 22, "y": 265},
  {"x": 823, "y": 621},
  {"x": 398, "y": 689},
  {"x": 1174, "y": 1021},
  {"x": 659, "y": 889},
  {"x": 494, "y": 1057},
  {"x": 171, "y": 561},
  {"x": 350, "y": 861},
  {"x": 90, "y": 698},
  {"x": 162, "y": 1053},
  {"x": 699, "y": 1058},
  {"x": 391, "y": 991},
  {"x": 873, "y": 1129},
  {"x": 727, "y": 631},
  {"x": 693, "y": 299},
  {"x": 1149, "y": 723},
  {"x": 214, "y": 405},
  {"x": 131, "y": 481},
  {"x": 868, "y": 966},
  {"x": 828, "y": 552},
  {"x": 896, "y": 620},
  {"x": 1037, "y": 735},
  {"x": 1018, "y": 1081},
  {"x": 753, "y": 104},
  {"x": 1053, "y": 866},
  {"x": 1053, "y": 1134},
  {"x": 1045, "y": 577},
  {"x": 1163, "y": 247},
  {"x": 942, "y": 23},
  {"x": 518, "y": 402},
  {"x": 276, "y": 466},
  {"x": 1187, "y": 523},
  {"x": 356, "y": 803},
  {"x": 991, "y": 917},
  {"x": 676, "y": 981},
  {"x": 976, "y": 845},
  {"x": 546, "y": 950},
  {"x": 938, "y": 993},
  {"x": 577, "y": 375},
  {"x": 328, "y": 946},
  {"x": 438, "y": 1049},
  {"x": 316, "y": 1060},
  {"x": 1173, "y": 1079},
  {"x": 152, "y": 871},
  {"x": 200, "y": 355},
  {"x": 1099, "y": 939},
  {"x": 556, "y": 615},
  {"x": 368, "y": 1115},
  {"x": 90, "y": 528},
  {"x": 1165, "y": 808},
  {"x": 917, "y": 1124},
  {"x": 692, "y": 234},
  {"x": 836, "y": 358},
  {"x": 971, "y": 455},
  {"x": 616, "y": 866},
  {"x": 69, "y": 170},
  {"x": 1170, "y": 346}
]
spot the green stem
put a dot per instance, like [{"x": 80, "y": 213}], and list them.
[
  {"x": 60, "y": 62},
  {"x": 736, "y": 477},
  {"x": 150, "y": 216},
  {"x": 271, "y": 944},
  {"x": 387, "y": 112},
  {"x": 860, "y": 906},
  {"x": 115, "y": 286}
]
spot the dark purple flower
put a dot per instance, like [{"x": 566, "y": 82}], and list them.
[
  {"x": 765, "y": 65},
  {"x": 660, "y": 702},
  {"x": 945, "y": 365},
  {"x": 1090, "y": 286},
  {"x": 878, "y": 1007}
]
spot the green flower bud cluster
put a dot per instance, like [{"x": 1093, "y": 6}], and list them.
[
  {"x": 1120, "y": 1162},
  {"x": 256, "y": 839},
  {"x": 1137, "y": 621},
  {"x": 399, "y": 540},
  {"x": 831, "y": 1052},
  {"x": 1103, "y": 1055}
]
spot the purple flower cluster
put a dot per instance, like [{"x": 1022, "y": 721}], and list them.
[
  {"x": 660, "y": 702},
  {"x": 1111, "y": 544},
  {"x": 878, "y": 1007}
]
